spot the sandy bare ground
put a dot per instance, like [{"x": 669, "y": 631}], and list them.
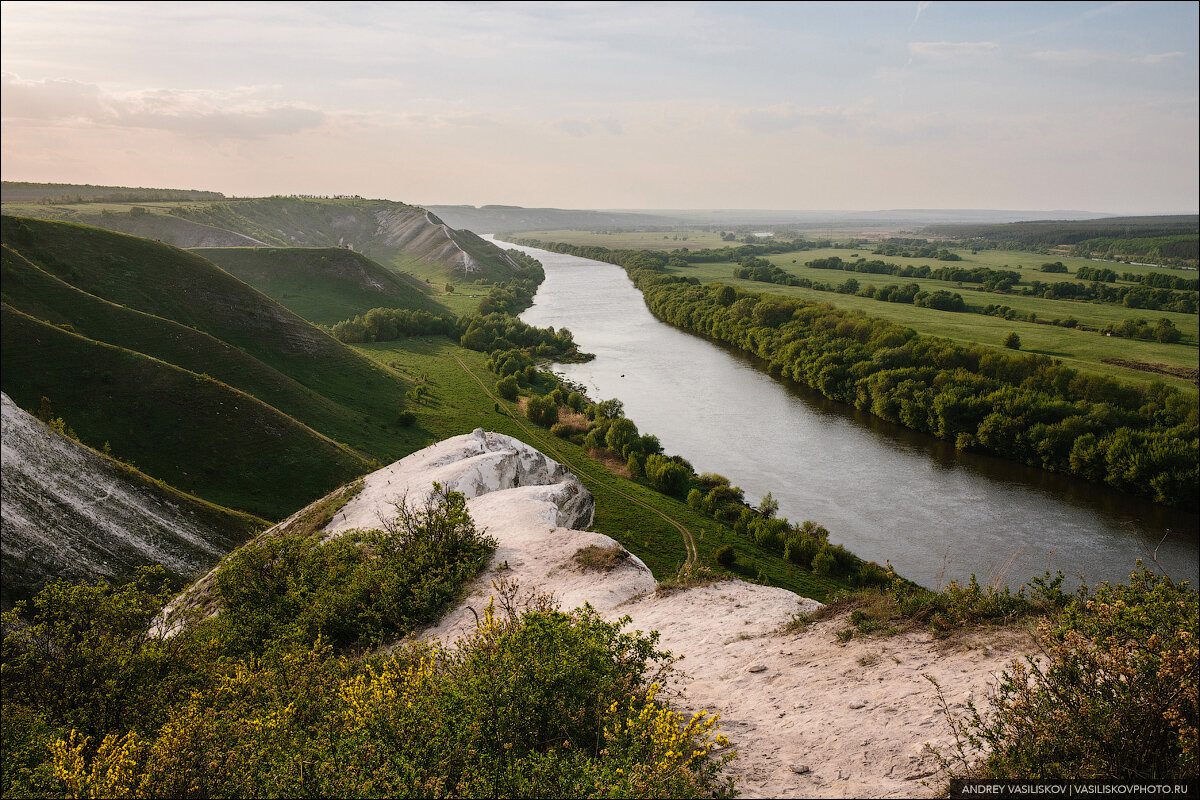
[{"x": 809, "y": 715}]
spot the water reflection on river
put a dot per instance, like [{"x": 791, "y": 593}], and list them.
[{"x": 885, "y": 492}]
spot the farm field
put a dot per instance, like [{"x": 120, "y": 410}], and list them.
[
  {"x": 634, "y": 240},
  {"x": 1081, "y": 349},
  {"x": 1084, "y": 350}
]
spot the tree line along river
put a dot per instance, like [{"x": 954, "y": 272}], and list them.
[{"x": 885, "y": 492}]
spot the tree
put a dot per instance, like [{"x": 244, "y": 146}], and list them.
[
  {"x": 1012, "y": 341},
  {"x": 507, "y": 387},
  {"x": 608, "y": 409},
  {"x": 622, "y": 433},
  {"x": 768, "y": 506},
  {"x": 541, "y": 411}
]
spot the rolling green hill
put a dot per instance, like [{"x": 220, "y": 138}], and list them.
[
  {"x": 148, "y": 311},
  {"x": 401, "y": 237},
  {"x": 324, "y": 285},
  {"x": 192, "y": 431}
]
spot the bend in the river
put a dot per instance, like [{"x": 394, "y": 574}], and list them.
[{"x": 887, "y": 493}]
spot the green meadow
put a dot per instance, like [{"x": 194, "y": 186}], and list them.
[
  {"x": 1081, "y": 349},
  {"x": 462, "y": 399},
  {"x": 1085, "y": 350}
]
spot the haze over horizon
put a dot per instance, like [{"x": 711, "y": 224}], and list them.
[{"x": 1032, "y": 106}]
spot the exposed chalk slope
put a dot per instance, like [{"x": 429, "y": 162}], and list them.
[{"x": 70, "y": 512}]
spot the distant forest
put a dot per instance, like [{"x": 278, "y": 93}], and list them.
[
  {"x": 20, "y": 192},
  {"x": 1166, "y": 239}
]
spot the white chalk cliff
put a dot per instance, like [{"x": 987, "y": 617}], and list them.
[{"x": 810, "y": 716}]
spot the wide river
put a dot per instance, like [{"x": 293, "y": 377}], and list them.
[{"x": 886, "y": 493}]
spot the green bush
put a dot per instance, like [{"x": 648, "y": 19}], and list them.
[
  {"x": 541, "y": 411},
  {"x": 507, "y": 387},
  {"x": 725, "y": 556},
  {"x": 356, "y": 589},
  {"x": 259, "y": 703},
  {"x": 1115, "y": 697}
]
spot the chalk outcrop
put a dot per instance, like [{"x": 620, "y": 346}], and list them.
[
  {"x": 810, "y": 715},
  {"x": 70, "y": 512}
]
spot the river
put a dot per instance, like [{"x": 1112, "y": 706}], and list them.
[{"x": 886, "y": 493}]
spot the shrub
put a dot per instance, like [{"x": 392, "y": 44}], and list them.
[
  {"x": 356, "y": 589},
  {"x": 406, "y": 419},
  {"x": 1114, "y": 699},
  {"x": 541, "y": 411},
  {"x": 507, "y": 387},
  {"x": 600, "y": 559},
  {"x": 1012, "y": 341},
  {"x": 668, "y": 476},
  {"x": 725, "y": 556}
]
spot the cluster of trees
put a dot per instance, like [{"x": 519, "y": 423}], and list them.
[
  {"x": 992, "y": 279},
  {"x": 1141, "y": 439},
  {"x": 713, "y": 255},
  {"x": 516, "y": 294},
  {"x": 498, "y": 331},
  {"x": 1149, "y": 297},
  {"x": 1182, "y": 249},
  {"x": 1054, "y": 266},
  {"x": 911, "y": 293},
  {"x": 1156, "y": 291},
  {"x": 1007, "y": 312},
  {"x": 283, "y": 694},
  {"x": 1041, "y": 234},
  {"x": 1102, "y": 274},
  {"x": 916, "y": 248},
  {"x": 753, "y": 268},
  {"x": 1162, "y": 331},
  {"x": 389, "y": 324},
  {"x": 1161, "y": 280}
]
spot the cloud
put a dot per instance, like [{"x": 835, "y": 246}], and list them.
[
  {"x": 786, "y": 117},
  {"x": 236, "y": 114},
  {"x": 587, "y": 127},
  {"x": 953, "y": 50}
]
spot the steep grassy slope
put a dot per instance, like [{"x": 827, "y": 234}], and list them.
[
  {"x": 73, "y": 513},
  {"x": 30, "y": 289},
  {"x": 323, "y": 285},
  {"x": 194, "y": 432},
  {"x": 187, "y": 289},
  {"x": 399, "y": 236},
  {"x": 403, "y": 237},
  {"x": 141, "y": 317}
]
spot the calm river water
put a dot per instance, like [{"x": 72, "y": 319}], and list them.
[{"x": 886, "y": 493}]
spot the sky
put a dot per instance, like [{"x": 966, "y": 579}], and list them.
[{"x": 857, "y": 106}]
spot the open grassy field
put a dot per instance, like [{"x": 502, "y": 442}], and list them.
[
  {"x": 323, "y": 284},
  {"x": 462, "y": 401},
  {"x": 634, "y": 240},
  {"x": 1084, "y": 350},
  {"x": 1081, "y": 349}
]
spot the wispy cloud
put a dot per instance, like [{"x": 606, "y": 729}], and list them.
[
  {"x": 953, "y": 50},
  {"x": 230, "y": 114}
]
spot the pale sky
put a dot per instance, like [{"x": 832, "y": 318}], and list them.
[{"x": 1038, "y": 106}]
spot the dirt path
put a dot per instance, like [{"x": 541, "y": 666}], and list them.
[{"x": 548, "y": 446}]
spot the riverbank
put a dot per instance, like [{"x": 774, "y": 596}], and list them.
[{"x": 885, "y": 492}]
